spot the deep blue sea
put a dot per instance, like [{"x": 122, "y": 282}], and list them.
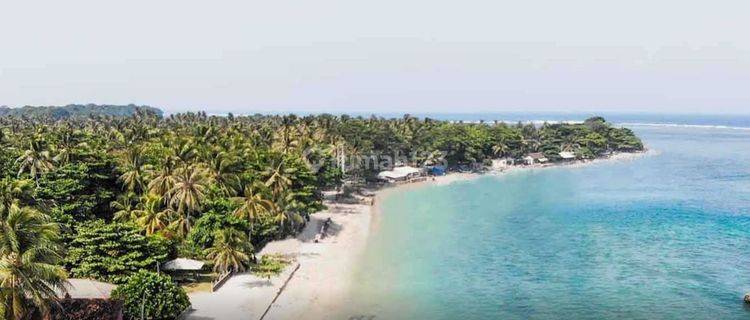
[{"x": 665, "y": 236}]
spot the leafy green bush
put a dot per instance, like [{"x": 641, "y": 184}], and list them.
[
  {"x": 270, "y": 265},
  {"x": 151, "y": 296},
  {"x": 82, "y": 190},
  {"x": 112, "y": 252}
]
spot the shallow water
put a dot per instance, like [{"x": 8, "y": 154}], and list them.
[{"x": 664, "y": 236}]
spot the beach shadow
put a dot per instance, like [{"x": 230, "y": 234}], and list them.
[
  {"x": 342, "y": 211},
  {"x": 311, "y": 229},
  {"x": 349, "y": 200},
  {"x": 258, "y": 284},
  {"x": 367, "y": 192},
  {"x": 188, "y": 316},
  {"x": 306, "y": 254},
  {"x": 334, "y": 229}
]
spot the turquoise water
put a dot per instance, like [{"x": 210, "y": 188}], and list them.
[{"x": 666, "y": 236}]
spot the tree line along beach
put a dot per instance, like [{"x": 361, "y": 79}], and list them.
[{"x": 110, "y": 198}]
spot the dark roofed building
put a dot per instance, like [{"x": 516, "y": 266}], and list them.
[{"x": 86, "y": 299}]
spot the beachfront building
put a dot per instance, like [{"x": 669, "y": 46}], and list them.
[
  {"x": 502, "y": 163},
  {"x": 536, "y": 157},
  {"x": 88, "y": 289},
  {"x": 86, "y": 299},
  {"x": 399, "y": 174},
  {"x": 567, "y": 156}
]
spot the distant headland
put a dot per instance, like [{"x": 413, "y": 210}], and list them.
[{"x": 78, "y": 111}]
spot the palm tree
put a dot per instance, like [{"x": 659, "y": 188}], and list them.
[
  {"x": 531, "y": 144},
  {"x": 184, "y": 151},
  {"x": 150, "y": 215},
  {"x": 180, "y": 224},
  {"x": 500, "y": 149},
  {"x": 66, "y": 146},
  {"x": 231, "y": 251},
  {"x": 569, "y": 143},
  {"x": 278, "y": 178},
  {"x": 134, "y": 170},
  {"x": 12, "y": 191},
  {"x": 289, "y": 208},
  {"x": 188, "y": 194},
  {"x": 35, "y": 160},
  {"x": 124, "y": 208},
  {"x": 30, "y": 276},
  {"x": 163, "y": 180},
  {"x": 222, "y": 170},
  {"x": 286, "y": 137},
  {"x": 252, "y": 205}
]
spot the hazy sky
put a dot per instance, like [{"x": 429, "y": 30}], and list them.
[{"x": 379, "y": 56}]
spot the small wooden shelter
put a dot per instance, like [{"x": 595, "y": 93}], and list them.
[
  {"x": 536, "y": 157},
  {"x": 183, "y": 267},
  {"x": 398, "y": 174}
]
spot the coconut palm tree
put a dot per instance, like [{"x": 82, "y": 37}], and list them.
[
  {"x": 124, "y": 207},
  {"x": 150, "y": 215},
  {"x": 290, "y": 208},
  {"x": 180, "y": 224},
  {"x": 164, "y": 179},
  {"x": 188, "y": 194},
  {"x": 286, "y": 137},
  {"x": 531, "y": 144},
  {"x": 67, "y": 146},
  {"x": 223, "y": 167},
  {"x": 30, "y": 274},
  {"x": 278, "y": 178},
  {"x": 500, "y": 149},
  {"x": 12, "y": 191},
  {"x": 231, "y": 251},
  {"x": 184, "y": 151},
  {"x": 134, "y": 170},
  {"x": 35, "y": 160},
  {"x": 252, "y": 205},
  {"x": 569, "y": 143}
]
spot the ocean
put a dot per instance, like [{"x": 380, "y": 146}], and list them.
[{"x": 664, "y": 236}]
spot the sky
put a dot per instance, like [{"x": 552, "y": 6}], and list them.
[{"x": 413, "y": 56}]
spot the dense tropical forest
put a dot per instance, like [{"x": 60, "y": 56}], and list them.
[
  {"x": 110, "y": 198},
  {"x": 76, "y": 111}
]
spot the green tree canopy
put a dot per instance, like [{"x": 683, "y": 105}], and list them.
[
  {"x": 112, "y": 252},
  {"x": 148, "y": 295}
]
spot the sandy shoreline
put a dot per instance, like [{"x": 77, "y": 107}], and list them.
[{"x": 320, "y": 287}]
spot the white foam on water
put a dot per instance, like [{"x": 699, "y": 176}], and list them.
[{"x": 677, "y": 125}]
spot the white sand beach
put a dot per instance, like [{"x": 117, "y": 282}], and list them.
[
  {"x": 320, "y": 283},
  {"x": 320, "y": 286}
]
